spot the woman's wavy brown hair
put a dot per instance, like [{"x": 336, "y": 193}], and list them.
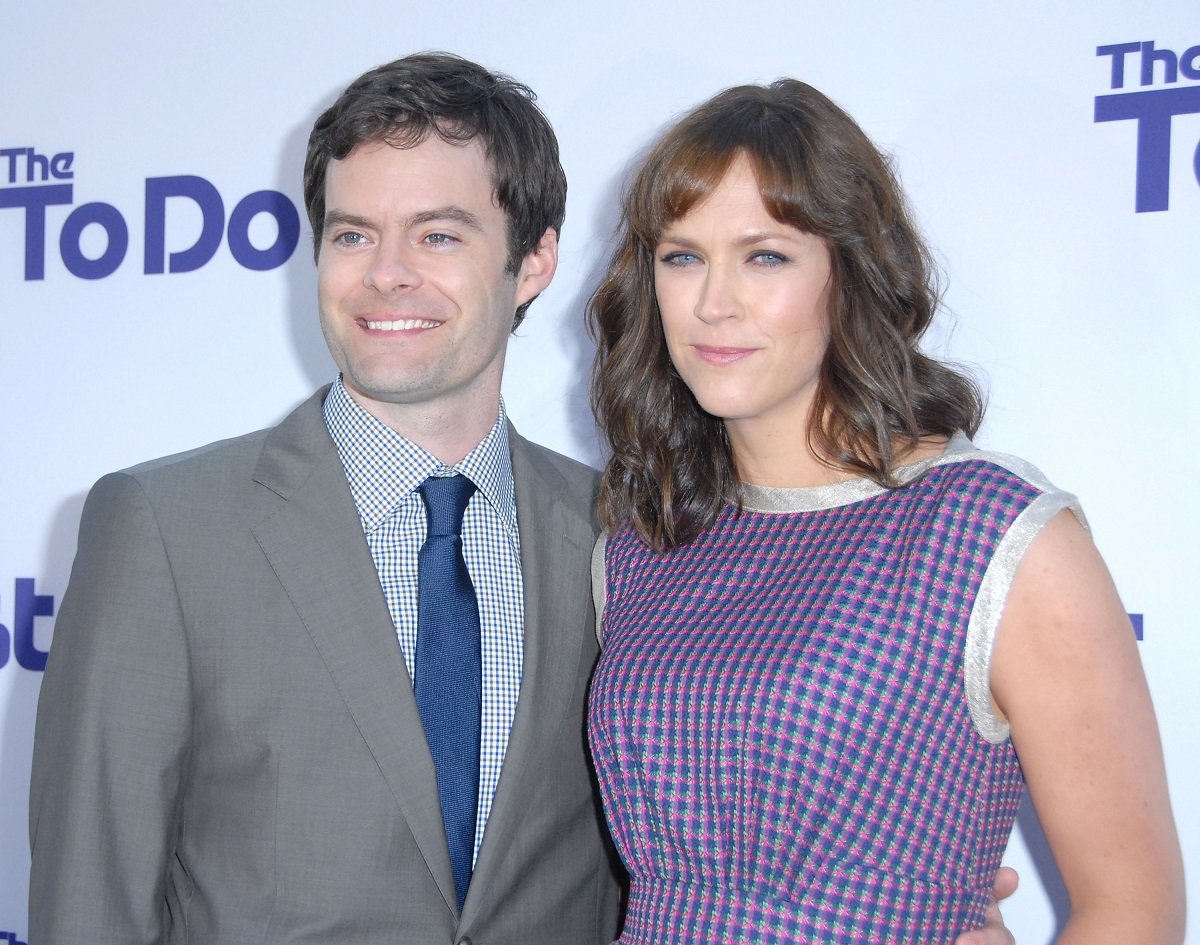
[{"x": 671, "y": 468}]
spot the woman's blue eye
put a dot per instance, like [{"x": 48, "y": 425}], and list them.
[
  {"x": 679, "y": 259},
  {"x": 769, "y": 259}
]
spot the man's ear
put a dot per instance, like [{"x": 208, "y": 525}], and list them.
[{"x": 537, "y": 268}]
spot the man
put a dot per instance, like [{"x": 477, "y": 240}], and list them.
[
  {"x": 229, "y": 748},
  {"x": 241, "y": 736}
]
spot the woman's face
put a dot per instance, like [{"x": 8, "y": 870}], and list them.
[{"x": 744, "y": 302}]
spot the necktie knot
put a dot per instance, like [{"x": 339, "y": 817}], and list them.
[{"x": 446, "y": 499}]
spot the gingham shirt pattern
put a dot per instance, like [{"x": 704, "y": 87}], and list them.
[
  {"x": 384, "y": 470},
  {"x": 779, "y": 726}
]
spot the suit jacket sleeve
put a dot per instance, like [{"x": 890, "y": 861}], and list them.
[{"x": 112, "y": 733}]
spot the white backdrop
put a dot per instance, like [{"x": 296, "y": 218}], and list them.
[{"x": 1080, "y": 311}]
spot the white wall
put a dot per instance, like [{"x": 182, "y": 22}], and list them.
[{"x": 1081, "y": 312}]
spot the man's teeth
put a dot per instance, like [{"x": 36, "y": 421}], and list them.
[{"x": 405, "y": 324}]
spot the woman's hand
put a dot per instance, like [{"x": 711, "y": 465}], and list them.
[{"x": 994, "y": 931}]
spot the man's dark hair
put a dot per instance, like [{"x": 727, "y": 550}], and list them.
[{"x": 405, "y": 101}]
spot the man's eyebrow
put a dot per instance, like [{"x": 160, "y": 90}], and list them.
[
  {"x": 341, "y": 218},
  {"x": 450, "y": 213}
]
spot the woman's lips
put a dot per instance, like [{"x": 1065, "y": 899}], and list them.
[{"x": 720, "y": 355}]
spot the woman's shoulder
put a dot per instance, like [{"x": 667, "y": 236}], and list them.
[
  {"x": 961, "y": 462},
  {"x": 988, "y": 486}
]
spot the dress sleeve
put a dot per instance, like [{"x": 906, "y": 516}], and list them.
[
  {"x": 598, "y": 588},
  {"x": 989, "y": 607}
]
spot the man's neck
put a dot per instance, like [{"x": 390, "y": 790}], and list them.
[{"x": 448, "y": 429}]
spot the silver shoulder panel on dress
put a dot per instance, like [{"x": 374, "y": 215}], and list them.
[
  {"x": 997, "y": 582},
  {"x": 598, "y": 586}
]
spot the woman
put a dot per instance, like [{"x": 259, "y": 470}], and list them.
[{"x": 836, "y": 634}]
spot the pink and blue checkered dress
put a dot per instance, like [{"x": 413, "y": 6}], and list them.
[{"x": 783, "y": 740}]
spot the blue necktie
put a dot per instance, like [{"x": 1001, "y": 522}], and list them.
[{"x": 448, "y": 670}]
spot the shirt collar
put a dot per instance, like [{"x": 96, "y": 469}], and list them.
[{"x": 383, "y": 467}]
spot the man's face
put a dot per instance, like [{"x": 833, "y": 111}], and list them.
[{"x": 415, "y": 302}]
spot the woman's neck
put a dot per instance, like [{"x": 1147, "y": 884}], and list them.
[{"x": 775, "y": 459}]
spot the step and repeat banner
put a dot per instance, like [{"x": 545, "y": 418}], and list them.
[{"x": 157, "y": 289}]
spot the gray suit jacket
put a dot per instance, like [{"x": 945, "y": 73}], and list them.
[{"x": 228, "y": 748}]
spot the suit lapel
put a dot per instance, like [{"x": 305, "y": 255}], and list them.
[
  {"x": 315, "y": 544},
  {"x": 556, "y": 544}
]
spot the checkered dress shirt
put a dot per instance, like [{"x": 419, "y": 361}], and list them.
[{"x": 384, "y": 470}]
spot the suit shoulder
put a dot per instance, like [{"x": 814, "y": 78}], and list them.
[
  {"x": 235, "y": 457},
  {"x": 571, "y": 468},
  {"x": 235, "y": 453},
  {"x": 564, "y": 473}
]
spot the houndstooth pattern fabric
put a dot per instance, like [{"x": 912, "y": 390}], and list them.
[{"x": 779, "y": 726}]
